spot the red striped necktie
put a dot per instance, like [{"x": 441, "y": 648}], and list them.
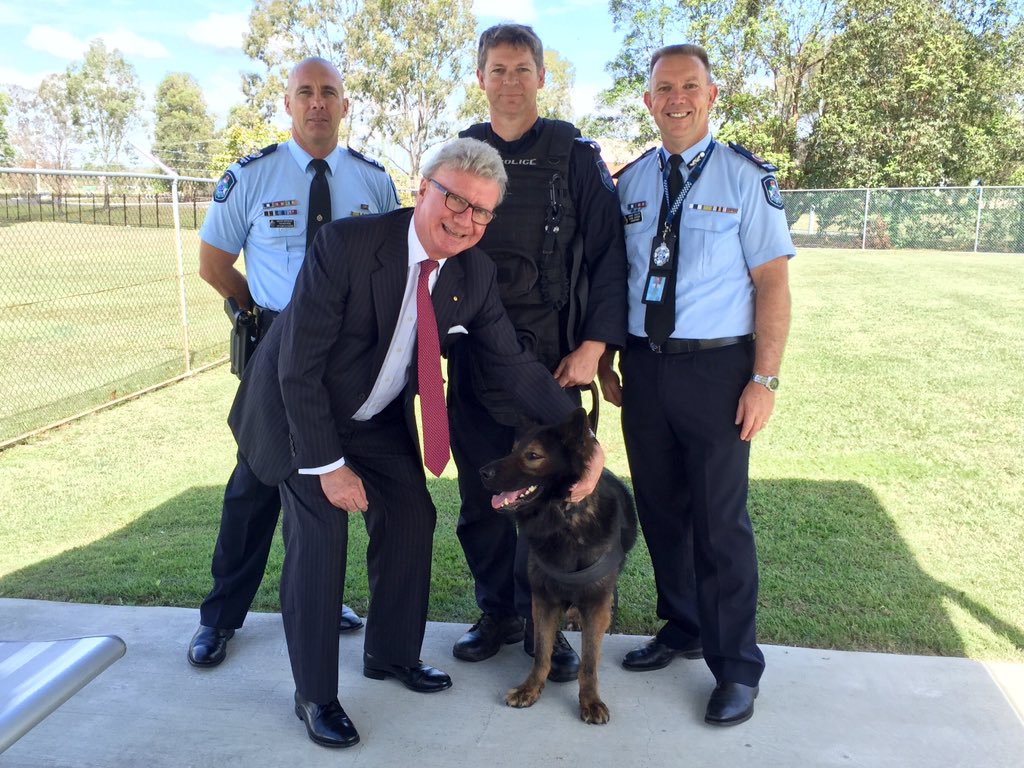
[{"x": 431, "y": 385}]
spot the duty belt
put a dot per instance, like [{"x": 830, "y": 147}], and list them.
[{"x": 683, "y": 346}]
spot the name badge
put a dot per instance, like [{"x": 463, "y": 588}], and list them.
[{"x": 282, "y": 223}]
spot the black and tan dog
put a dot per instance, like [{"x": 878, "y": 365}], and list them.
[{"x": 576, "y": 550}]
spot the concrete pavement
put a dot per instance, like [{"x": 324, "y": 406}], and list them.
[{"x": 816, "y": 708}]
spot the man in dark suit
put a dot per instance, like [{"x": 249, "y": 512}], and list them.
[{"x": 325, "y": 410}]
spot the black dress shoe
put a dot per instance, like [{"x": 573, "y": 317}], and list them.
[
  {"x": 655, "y": 655},
  {"x": 565, "y": 663},
  {"x": 327, "y": 724},
  {"x": 485, "y": 638},
  {"x": 731, "y": 704},
  {"x": 348, "y": 620},
  {"x": 209, "y": 646},
  {"x": 421, "y": 678}
]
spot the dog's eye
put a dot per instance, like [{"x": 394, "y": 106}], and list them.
[{"x": 533, "y": 456}]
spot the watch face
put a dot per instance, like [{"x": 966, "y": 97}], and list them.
[{"x": 772, "y": 382}]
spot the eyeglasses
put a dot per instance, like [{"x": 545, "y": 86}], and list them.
[{"x": 457, "y": 204}]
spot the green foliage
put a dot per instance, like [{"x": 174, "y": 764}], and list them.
[
  {"x": 104, "y": 95},
  {"x": 184, "y": 129},
  {"x": 245, "y": 132},
  {"x": 407, "y": 58},
  {"x": 554, "y": 100}
]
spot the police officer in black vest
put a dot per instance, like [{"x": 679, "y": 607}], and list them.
[{"x": 558, "y": 245}]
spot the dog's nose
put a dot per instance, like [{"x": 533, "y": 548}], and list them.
[{"x": 487, "y": 472}]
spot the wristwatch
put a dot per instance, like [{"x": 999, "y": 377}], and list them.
[{"x": 771, "y": 383}]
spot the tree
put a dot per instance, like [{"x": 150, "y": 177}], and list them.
[
  {"x": 407, "y": 59},
  {"x": 6, "y": 150},
  {"x": 554, "y": 100},
  {"x": 43, "y": 131},
  {"x": 105, "y": 96},
  {"x": 940, "y": 106},
  {"x": 282, "y": 33},
  {"x": 183, "y": 131},
  {"x": 246, "y": 132}
]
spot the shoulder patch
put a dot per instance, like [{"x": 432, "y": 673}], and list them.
[
  {"x": 633, "y": 162},
  {"x": 365, "y": 159},
  {"x": 761, "y": 163},
  {"x": 771, "y": 192},
  {"x": 224, "y": 186},
  {"x": 602, "y": 169},
  {"x": 243, "y": 161}
]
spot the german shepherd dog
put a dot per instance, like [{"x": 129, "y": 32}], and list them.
[{"x": 576, "y": 550}]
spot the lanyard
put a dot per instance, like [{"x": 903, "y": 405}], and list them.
[{"x": 696, "y": 167}]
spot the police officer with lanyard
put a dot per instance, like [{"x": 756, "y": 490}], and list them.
[
  {"x": 709, "y": 310},
  {"x": 270, "y": 204},
  {"x": 558, "y": 245}
]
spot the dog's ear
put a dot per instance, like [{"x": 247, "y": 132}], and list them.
[{"x": 576, "y": 428}]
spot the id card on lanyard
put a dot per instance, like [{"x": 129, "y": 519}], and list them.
[{"x": 663, "y": 246}]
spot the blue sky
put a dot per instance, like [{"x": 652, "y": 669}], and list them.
[{"x": 204, "y": 39}]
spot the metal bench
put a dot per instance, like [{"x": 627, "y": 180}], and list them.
[{"x": 37, "y": 677}]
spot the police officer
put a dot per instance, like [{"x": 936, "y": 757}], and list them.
[
  {"x": 558, "y": 245},
  {"x": 262, "y": 204},
  {"x": 709, "y": 310}
]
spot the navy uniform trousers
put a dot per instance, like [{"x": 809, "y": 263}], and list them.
[
  {"x": 496, "y": 556},
  {"x": 400, "y": 521},
  {"x": 690, "y": 477}
]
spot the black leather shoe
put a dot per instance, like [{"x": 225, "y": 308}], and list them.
[
  {"x": 209, "y": 646},
  {"x": 485, "y": 638},
  {"x": 348, "y": 620},
  {"x": 731, "y": 704},
  {"x": 327, "y": 724},
  {"x": 565, "y": 663},
  {"x": 655, "y": 655},
  {"x": 421, "y": 678}
]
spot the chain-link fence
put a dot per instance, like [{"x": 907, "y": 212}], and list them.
[
  {"x": 939, "y": 218},
  {"x": 100, "y": 296}
]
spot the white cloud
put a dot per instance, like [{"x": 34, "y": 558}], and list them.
[
  {"x": 131, "y": 44},
  {"x": 525, "y": 13},
  {"x": 55, "y": 42},
  {"x": 220, "y": 30}
]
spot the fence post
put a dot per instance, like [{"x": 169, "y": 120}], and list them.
[
  {"x": 181, "y": 274},
  {"x": 864, "y": 229},
  {"x": 977, "y": 221}
]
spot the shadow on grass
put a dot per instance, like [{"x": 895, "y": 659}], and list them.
[{"x": 834, "y": 571}]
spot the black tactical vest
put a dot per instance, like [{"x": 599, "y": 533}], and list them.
[{"x": 531, "y": 240}]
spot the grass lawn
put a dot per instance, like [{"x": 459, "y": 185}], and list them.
[{"x": 887, "y": 493}]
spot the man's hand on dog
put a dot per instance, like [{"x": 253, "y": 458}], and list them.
[
  {"x": 754, "y": 409},
  {"x": 344, "y": 489},
  {"x": 591, "y": 476},
  {"x": 579, "y": 367}
]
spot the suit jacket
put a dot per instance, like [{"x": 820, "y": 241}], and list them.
[{"x": 320, "y": 360}]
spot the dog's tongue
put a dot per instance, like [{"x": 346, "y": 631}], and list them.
[{"x": 499, "y": 500}]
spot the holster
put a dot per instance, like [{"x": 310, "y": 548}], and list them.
[{"x": 244, "y": 335}]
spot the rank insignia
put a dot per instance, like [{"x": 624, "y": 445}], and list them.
[
  {"x": 771, "y": 192},
  {"x": 224, "y": 186}
]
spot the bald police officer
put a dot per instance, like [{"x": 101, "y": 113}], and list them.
[
  {"x": 709, "y": 309},
  {"x": 262, "y": 205}
]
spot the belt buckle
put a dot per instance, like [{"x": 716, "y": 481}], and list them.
[{"x": 655, "y": 348}]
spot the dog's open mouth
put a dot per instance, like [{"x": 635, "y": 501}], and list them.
[{"x": 512, "y": 499}]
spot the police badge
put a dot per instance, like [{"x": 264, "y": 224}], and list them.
[{"x": 771, "y": 192}]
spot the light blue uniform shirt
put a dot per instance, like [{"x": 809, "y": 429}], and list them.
[
  {"x": 261, "y": 204},
  {"x": 730, "y": 225}
]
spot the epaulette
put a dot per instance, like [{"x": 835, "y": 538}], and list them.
[
  {"x": 760, "y": 162},
  {"x": 590, "y": 143},
  {"x": 365, "y": 159},
  {"x": 631, "y": 163},
  {"x": 257, "y": 155}
]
